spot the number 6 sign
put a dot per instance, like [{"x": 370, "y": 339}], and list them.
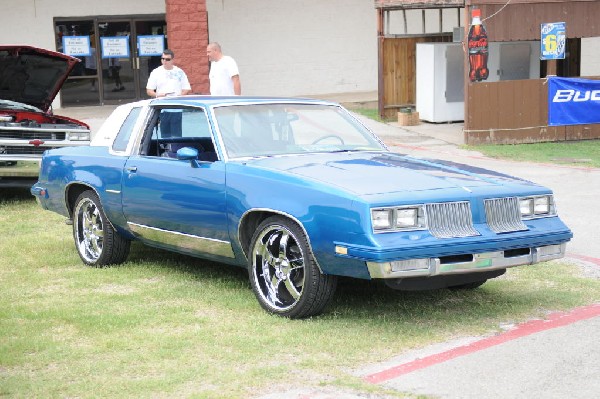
[{"x": 554, "y": 36}]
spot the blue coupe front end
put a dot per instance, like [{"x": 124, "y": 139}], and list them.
[{"x": 297, "y": 191}]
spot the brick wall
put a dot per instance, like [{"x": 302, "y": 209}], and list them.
[{"x": 187, "y": 30}]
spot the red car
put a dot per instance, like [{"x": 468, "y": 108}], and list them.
[{"x": 30, "y": 78}]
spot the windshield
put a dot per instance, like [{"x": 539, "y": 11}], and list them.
[{"x": 255, "y": 130}]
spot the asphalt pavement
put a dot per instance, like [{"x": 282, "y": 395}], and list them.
[
  {"x": 557, "y": 357},
  {"x": 560, "y": 357}
]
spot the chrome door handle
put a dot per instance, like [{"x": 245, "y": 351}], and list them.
[{"x": 131, "y": 169}]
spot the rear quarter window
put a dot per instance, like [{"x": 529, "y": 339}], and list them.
[{"x": 122, "y": 139}]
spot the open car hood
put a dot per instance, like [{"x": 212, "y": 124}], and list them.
[{"x": 32, "y": 75}]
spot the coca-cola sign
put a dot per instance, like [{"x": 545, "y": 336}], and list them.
[{"x": 477, "y": 43}]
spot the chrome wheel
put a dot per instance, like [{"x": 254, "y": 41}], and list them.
[
  {"x": 97, "y": 242},
  {"x": 279, "y": 267},
  {"x": 89, "y": 230},
  {"x": 283, "y": 273}
]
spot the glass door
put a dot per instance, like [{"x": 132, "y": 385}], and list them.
[
  {"x": 126, "y": 60},
  {"x": 116, "y": 61},
  {"x": 122, "y": 53},
  {"x": 155, "y": 34},
  {"x": 82, "y": 87}
]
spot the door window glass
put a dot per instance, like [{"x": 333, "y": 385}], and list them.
[{"x": 173, "y": 128}]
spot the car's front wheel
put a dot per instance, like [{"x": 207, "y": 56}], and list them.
[
  {"x": 283, "y": 273},
  {"x": 97, "y": 242}
]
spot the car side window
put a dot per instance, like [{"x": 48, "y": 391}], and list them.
[
  {"x": 172, "y": 128},
  {"x": 182, "y": 122},
  {"x": 122, "y": 139}
]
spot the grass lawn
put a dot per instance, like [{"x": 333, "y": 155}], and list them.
[
  {"x": 371, "y": 113},
  {"x": 21, "y": 168},
  {"x": 582, "y": 153},
  {"x": 166, "y": 325}
]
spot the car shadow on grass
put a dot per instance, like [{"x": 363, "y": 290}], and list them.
[
  {"x": 196, "y": 267},
  {"x": 15, "y": 194},
  {"x": 365, "y": 301}
]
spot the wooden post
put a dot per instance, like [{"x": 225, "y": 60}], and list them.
[
  {"x": 380, "y": 88},
  {"x": 551, "y": 67},
  {"x": 467, "y": 83}
]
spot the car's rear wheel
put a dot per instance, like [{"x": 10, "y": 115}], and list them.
[
  {"x": 283, "y": 273},
  {"x": 97, "y": 242}
]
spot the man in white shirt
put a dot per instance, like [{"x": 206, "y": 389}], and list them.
[
  {"x": 224, "y": 74},
  {"x": 168, "y": 80}
]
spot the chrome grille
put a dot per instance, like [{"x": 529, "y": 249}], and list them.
[
  {"x": 503, "y": 215},
  {"x": 32, "y": 134},
  {"x": 23, "y": 150},
  {"x": 450, "y": 220}
]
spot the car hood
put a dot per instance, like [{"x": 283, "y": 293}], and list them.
[
  {"x": 32, "y": 75},
  {"x": 368, "y": 173}
]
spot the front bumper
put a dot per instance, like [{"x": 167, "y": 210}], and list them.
[{"x": 470, "y": 263}]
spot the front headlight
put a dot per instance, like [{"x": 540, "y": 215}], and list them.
[
  {"x": 407, "y": 218},
  {"x": 381, "y": 218},
  {"x": 537, "y": 206},
  {"x": 398, "y": 219},
  {"x": 78, "y": 136}
]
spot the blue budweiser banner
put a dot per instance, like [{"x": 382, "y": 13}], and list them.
[{"x": 573, "y": 101}]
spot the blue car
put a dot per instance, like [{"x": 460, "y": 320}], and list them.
[{"x": 297, "y": 191}]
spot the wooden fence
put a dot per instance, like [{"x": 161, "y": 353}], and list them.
[{"x": 515, "y": 111}]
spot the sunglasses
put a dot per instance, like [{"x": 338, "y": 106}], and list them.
[{"x": 166, "y": 59}]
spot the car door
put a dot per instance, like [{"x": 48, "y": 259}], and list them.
[{"x": 171, "y": 203}]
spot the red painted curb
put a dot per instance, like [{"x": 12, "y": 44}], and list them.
[
  {"x": 554, "y": 320},
  {"x": 589, "y": 259}
]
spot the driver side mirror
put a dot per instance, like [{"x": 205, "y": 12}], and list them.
[{"x": 187, "y": 154}]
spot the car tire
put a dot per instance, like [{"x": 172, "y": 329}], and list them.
[
  {"x": 97, "y": 242},
  {"x": 283, "y": 272}
]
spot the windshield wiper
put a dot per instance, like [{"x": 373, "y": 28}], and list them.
[{"x": 346, "y": 150}]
